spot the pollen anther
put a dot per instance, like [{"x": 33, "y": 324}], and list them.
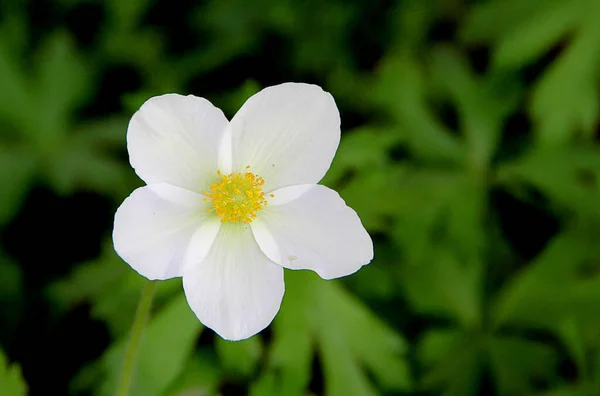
[{"x": 237, "y": 197}]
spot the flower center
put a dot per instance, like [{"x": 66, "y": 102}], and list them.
[{"x": 237, "y": 197}]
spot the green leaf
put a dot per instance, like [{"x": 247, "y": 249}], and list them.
[
  {"x": 87, "y": 160},
  {"x": 239, "y": 29},
  {"x": 109, "y": 132},
  {"x": 14, "y": 30},
  {"x": 265, "y": 386},
  {"x": 570, "y": 391},
  {"x": 571, "y": 333},
  {"x": 83, "y": 164},
  {"x": 127, "y": 15},
  {"x": 361, "y": 170},
  {"x": 61, "y": 85},
  {"x": 17, "y": 169},
  {"x": 11, "y": 380},
  {"x": 342, "y": 346},
  {"x": 167, "y": 344},
  {"x": 413, "y": 20},
  {"x": 342, "y": 373},
  {"x": 400, "y": 89},
  {"x": 529, "y": 40},
  {"x": 239, "y": 359},
  {"x": 453, "y": 362},
  {"x": 110, "y": 286},
  {"x": 565, "y": 102},
  {"x": 518, "y": 363},
  {"x": 60, "y": 82},
  {"x": 359, "y": 193},
  {"x": 201, "y": 376},
  {"x": 522, "y": 32},
  {"x": 322, "y": 315},
  {"x": 445, "y": 287},
  {"x": 567, "y": 175},
  {"x": 341, "y": 341},
  {"x": 557, "y": 285},
  {"x": 321, "y": 43},
  {"x": 482, "y": 104},
  {"x": 15, "y": 98},
  {"x": 291, "y": 353},
  {"x": 89, "y": 281},
  {"x": 490, "y": 20},
  {"x": 435, "y": 205},
  {"x": 230, "y": 102},
  {"x": 361, "y": 150}
]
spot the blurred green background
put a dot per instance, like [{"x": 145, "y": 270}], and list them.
[{"x": 470, "y": 150}]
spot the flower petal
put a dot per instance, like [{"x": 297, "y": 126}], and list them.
[
  {"x": 316, "y": 231},
  {"x": 154, "y": 226},
  {"x": 175, "y": 139},
  {"x": 236, "y": 290},
  {"x": 287, "y": 134}
]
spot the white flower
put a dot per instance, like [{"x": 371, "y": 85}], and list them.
[{"x": 228, "y": 205}]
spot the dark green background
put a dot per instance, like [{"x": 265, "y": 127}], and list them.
[{"x": 469, "y": 149}]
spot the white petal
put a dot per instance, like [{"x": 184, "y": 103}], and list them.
[
  {"x": 175, "y": 139},
  {"x": 287, "y": 134},
  {"x": 154, "y": 226},
  {"x": 314, "y": 231},
  {"x": 236, "y": 290}
]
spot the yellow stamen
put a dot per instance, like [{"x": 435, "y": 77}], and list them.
[{"x": 237, "y": 197}]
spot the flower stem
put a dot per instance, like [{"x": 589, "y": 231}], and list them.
[{"x": 131, "y": 349}]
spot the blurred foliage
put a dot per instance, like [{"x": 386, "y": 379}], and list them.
[
  {"x": 11, "y": 381},
  {"x": 470, "y": 151}
]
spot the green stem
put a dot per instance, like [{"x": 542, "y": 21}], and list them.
[{"x": 141, "y": 316}]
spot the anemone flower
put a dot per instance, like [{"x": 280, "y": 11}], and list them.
[{"x": 228, "y": 205}]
